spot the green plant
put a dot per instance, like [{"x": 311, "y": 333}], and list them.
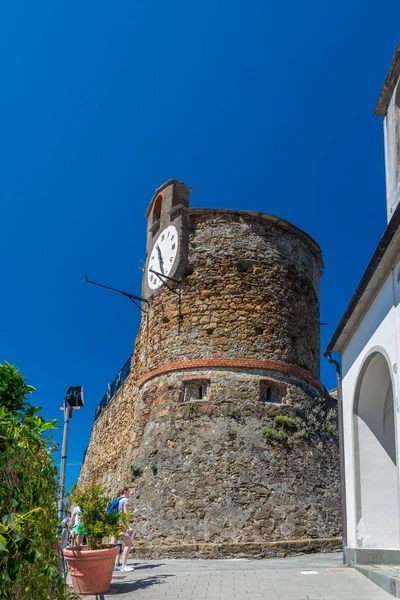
[
  {"x": 274, "y": 434},
  {"x": 284, "y": 428},
  {"x": 318, "y": 417},
  {"x": 153, "y": 467},
  {"x": 280, "y": 435},
  {"x": 315, "y": 420},
  {"x": 191, "y": 409},
  {"x": 267, "y": 432},
  {"x": 136, "y": 469},
  {"x": 286, "y": 422},
  {"x": 29, "y": 557},
  {"x": 14, "y": 390},
  {"x": 331, "y": 422},
  {"x": 98, "y": 524}
]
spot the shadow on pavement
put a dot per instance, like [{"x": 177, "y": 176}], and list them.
[
  {"x": 141, "y": 566},
  {"x": 138, "y": 584}
]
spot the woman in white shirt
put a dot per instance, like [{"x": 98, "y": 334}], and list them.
[{"x": 129, "y": 534}]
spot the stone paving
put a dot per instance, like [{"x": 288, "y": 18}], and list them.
[{"x": 312, "y": 577}]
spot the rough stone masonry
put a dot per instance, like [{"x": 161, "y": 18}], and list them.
[{"x": 223, "y": 428}]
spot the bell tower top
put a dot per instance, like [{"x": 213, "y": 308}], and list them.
[
  {"x": 389, "y": 107},
  {"x": 168, "y": 198}
]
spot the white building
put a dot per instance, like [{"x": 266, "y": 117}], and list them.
[{"x": 368, "y": 340}]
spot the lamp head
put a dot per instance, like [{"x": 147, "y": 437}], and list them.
[{"x": 74, "y": 397}]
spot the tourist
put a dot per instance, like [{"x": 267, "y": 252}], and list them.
[
  {"x": 129, "y": 534},
  {"x": 78, "y": 531},
  {"x": 113, "y": 507},
  {"x": 65, "y": 525}
]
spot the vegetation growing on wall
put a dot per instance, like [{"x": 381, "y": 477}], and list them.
[
  {"x": 28, "y": 490},
  {"x": 153, "y": 466},
  {"x": 136, "y": 469},
  {"x": 283, "y": 428},
  {"x": 316, "y": 418}
]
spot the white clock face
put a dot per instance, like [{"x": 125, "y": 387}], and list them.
[{"x": 163, "y": 256}]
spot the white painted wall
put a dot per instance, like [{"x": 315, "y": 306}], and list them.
[
  {"x": 379, "y": 470},
  {"x": 391, "y": 127}
]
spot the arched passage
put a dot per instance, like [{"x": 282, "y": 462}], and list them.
[{"x": 377, "y": 510}]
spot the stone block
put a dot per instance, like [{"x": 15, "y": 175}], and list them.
[{"x": 163, "y": 413}]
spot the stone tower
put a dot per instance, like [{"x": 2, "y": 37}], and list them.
[{"x": 223, "y": 412}]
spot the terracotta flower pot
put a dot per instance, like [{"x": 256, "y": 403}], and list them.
[{"x": 91, "y": 570}]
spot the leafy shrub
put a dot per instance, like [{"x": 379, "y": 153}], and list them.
[
  {"x": 316, "y": 420},
  {"x": 136, "y": 469},
  {"x": 285, "y": 428},
  {"x": 192, "y": 409},
  {"x": 279, "y": 435},
  {"x": 286, "y": 422},
  {"x": 267, "y": 432},
  {"x": 29, "y": 559},
  {"x": 98, "y": 524},
  {"x": 331, "y": 422},
  {"x": 274, "y": 434},
  {"x": 318, "y": 417}
]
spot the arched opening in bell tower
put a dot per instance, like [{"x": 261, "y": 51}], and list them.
[
  {"x": 377, "y": 509},
  {"x": 157, "y": 208}
]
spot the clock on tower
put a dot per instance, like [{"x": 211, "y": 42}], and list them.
[{"x": 163, "y": 256}]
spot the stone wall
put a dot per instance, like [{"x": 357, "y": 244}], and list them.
[
  {"x": 212, "y": 484},
  {"x": 253, "y": 292},
  {"x": 209, "y": 475},
  {"x": 110, "y": 440}
]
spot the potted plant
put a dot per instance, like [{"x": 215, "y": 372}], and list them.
[{"x": 91, "y": 566}]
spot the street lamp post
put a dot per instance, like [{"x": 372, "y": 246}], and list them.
[{"x": 73, "y": 401}]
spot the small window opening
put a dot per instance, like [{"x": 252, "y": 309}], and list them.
[
  {"x": 189, "y": 270},
  {"x": 271, "y": 392},
  {"x": 246, "y": 266},
  {"x": 197, "y": 389}
]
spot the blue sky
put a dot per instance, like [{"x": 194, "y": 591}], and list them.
[{"x": 254, "y": 104}]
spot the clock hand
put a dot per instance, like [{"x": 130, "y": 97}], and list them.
[{"x": 160, "y": 259}]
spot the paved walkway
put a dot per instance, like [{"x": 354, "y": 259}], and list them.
[{"x": 312, "y": 577}]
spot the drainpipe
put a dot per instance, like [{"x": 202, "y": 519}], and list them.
[{"x": 328, "y": 355}]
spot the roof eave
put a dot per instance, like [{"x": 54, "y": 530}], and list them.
[
  {"x": 387, "y": 250},
  {"x": 389, "y": 85}
]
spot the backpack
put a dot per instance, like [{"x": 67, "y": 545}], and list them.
[{"x": 112, "y": 507}]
